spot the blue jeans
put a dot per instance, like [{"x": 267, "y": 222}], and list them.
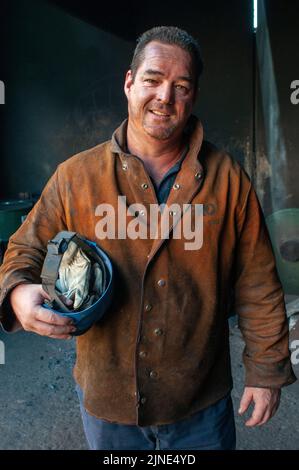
[{"x": 212, "y": 428}]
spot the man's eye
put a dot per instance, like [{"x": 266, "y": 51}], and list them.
[
  {"x": 150, "y": 80},
  {"x": 181, "y": 88}
]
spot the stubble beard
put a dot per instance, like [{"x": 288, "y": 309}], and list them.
[{"x": 159, "y": 132}]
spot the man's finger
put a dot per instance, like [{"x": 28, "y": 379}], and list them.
[
  {"x": 51, "y": 330},
  {"x": 47, "y": 316},
  {"x": 66, "y": 301},
  {"x": 245, "y": 401},
  {"x": 61, "y": 337},
  {"x": 266, "y": 418},
  {"x": 275, "y": 408},
  {"x": 44, "y": 293},
  {"x": 257, "y": 416}
]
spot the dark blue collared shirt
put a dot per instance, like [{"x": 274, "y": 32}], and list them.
[{"x": 164, "y": 187}]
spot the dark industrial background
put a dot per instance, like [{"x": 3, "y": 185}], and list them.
[
  {"x": 63, "y": 63},
  {"x": 66, "y": 67}
]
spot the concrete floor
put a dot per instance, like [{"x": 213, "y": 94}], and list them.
[{"x": 39, "y": 408}]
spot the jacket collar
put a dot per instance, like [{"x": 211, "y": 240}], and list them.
[
  {"x": 193, "y": 131},
  {"x": 187, "y": 184}
]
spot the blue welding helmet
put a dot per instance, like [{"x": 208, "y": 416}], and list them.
[{"x": 97, "y": 305}]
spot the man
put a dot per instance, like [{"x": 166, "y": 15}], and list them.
[{"x": 155, "y": 373}]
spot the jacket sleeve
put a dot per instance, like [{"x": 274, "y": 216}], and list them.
[
  {"x": 27, "y": 247},
  {"x": 259, "y": 302}
]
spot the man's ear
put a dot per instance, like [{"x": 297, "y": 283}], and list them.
[{"x": 128, "y": 82}]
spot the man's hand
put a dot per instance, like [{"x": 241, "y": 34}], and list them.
[
  {"x": 266, "y": 402},
  {"x": 26, "y": 301}
]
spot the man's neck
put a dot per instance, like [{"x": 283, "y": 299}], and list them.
[{"x": 158, "y": 155}]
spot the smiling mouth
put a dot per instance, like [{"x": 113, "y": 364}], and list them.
[{"x": 159, "y": 113}]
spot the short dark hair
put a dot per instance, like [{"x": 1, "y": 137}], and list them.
[{"x": 168, "y": 35}]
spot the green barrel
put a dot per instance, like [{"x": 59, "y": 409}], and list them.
[
  {"x": 12, "y": 214},
  {"x": 283, "y": 226}
]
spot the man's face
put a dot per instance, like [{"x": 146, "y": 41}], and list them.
[{"x": 161, "y": 97}]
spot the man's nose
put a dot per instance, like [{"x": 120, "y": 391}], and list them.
[{"x": 165, "y": 94}]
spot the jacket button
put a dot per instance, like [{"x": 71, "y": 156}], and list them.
[
  {"x": 198, "y": 175},
  {"x": 153, "y": 374},
  {"x": 144, "y": 185},
  {"x": 161, "y": 283},
  {"x": 142, "y": 354},
  {"x": 176, "y": 186},
  {"x": 124, "y": 166},
  {"x": 142, "y": 400},
  {"x": 158, "y": 331},
  {"x": 148, "y": 307}
]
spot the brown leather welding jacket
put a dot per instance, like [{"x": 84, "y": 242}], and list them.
[{"x": 162, "y": 351}]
